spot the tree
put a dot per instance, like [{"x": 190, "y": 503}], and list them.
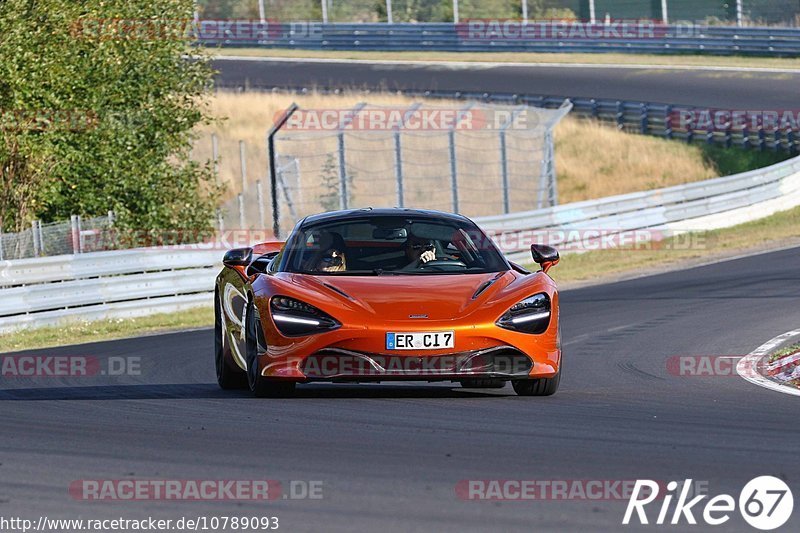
[{"x": 99, "y": 107}]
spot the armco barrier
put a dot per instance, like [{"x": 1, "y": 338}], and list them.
[
  {"x": 672, "y": 39},
  {"x": 37, "y": 292}
]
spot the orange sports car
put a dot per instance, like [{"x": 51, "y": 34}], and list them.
[{"x": 386, "y": 294}]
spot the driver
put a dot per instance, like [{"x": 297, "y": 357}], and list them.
[
  {"x": 419, "y": 251},
  {"x": 332, "y": 258}
]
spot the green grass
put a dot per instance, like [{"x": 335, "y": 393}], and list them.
[
  {"x": 729, "y": 161},
  {"x": 789, "y": 350},
  {"x": 82, "y": 332},
  {"x": 522, "y": 57}
]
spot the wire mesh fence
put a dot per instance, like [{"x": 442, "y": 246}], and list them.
[
  {"x": 471, "y": 158},
  {"x": 745, "y": 12},
  {"x": 59, "y": 238}
]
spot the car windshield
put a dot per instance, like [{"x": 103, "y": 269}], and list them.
[{"x": 391, "y": 245}]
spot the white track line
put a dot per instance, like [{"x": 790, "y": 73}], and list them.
[
  {"x": 747, "y": 367},
  {"x": 486, "y": 64}
]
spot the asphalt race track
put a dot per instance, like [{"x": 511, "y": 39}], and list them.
[
  {"x": 390, "y": 456},
  {"x": 716, "y": 89}
]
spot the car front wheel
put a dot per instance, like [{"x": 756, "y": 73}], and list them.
[{"x": 256, "y": 345}]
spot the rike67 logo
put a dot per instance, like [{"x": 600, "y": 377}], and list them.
[{"x": 765, "y": 503}]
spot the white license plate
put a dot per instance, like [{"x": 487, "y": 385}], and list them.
[{"x": 439, "y": 340}]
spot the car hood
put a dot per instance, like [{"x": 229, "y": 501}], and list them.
[{"x": 440, "y": 297}]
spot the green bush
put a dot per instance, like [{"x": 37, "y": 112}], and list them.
[{"x": 96, "y": 120}]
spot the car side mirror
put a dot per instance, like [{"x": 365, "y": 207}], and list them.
[
  {"x": 238, "y": 257},
  {"x": 546, "y": 256},
  {"x": 260, "y": 264}
]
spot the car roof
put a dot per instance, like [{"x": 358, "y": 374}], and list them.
[{"x": 352, "y": 214}]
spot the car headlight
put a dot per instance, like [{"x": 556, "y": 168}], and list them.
[
  {"x": 294, "y": 318},
  {"x": 531, "y": 315}
]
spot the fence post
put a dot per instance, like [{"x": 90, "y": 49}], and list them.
[
  {"x": 240, "y": 200},
  {"x": 504, "y": 157},
  {"x": 243, "y": 165},
  {"x": 453, "y": 170},
  {"x": 342, "y": 172},
  {"x": 260, "y": 200},
  {"x": 220, "y": 221},
  {"x": 80, "y": 230},
  {"x": 215, "y": 155},
  {"x": 552, "y": 181},
  {"x": 504, "y": 171},
  {"x": 41, "y": 237},
  {"x": 273, "y": 171},
  {"x": 2, "y": 254},
  {"x": 35, "y": 236},
  {"x": 344, "y": 202},
  {"x": 453, "y": 160},
  {"x": 76, "y": 234},
  {"x": 398, "y": 169}
]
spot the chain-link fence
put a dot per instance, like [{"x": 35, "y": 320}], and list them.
[
  {"x": 745, "y": 12},
  {"x": 471, "y": 158},
  {"x": 57, "y": 238}
]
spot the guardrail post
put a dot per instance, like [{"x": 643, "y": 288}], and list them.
[
  {"x": 791, "y": 145},
  {"x": 620, "y": 115},
  {"x": 644, "y": 122},
  {"x": 710, "y": 134},
  {"x": 668, "y": 122},
  {"x": 595, "y": 111},
  {"x": 746, "y": 137},
  {"x": 762, "y": 138},
  {"x": 776, "y": 143}
]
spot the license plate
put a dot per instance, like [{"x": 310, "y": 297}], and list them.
[{"x": 439, "y": 340}]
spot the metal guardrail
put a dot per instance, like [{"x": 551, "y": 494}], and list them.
[
  {"x": 672, "y": 39},
  {"x": 45, "y": 291},
  {"x": 98, "y": 285}
]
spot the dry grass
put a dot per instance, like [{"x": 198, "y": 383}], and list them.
[
  {"x": 595, "y": 160},
  {"x": 592, "y": 160}
]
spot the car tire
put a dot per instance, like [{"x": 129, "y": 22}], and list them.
[
  {"x": 227, "y": 377},
  {"x": 483, "y": 383},
  {"x": 260, "y": 386},
  {"x": 537, "y": 387}
]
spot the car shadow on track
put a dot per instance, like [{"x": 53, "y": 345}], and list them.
[{"x": 211, "y": 391}]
